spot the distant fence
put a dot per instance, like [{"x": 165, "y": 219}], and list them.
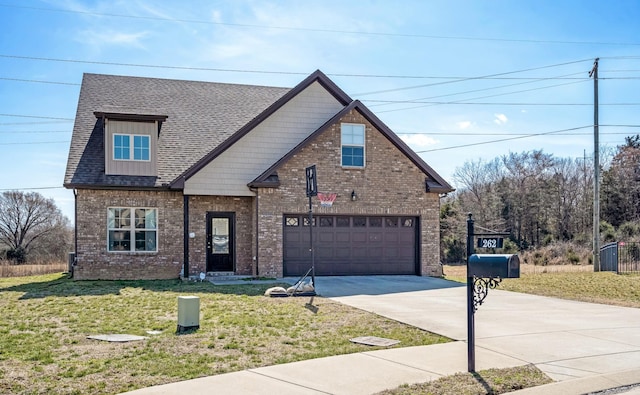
[{"x": 620, "y": 257}]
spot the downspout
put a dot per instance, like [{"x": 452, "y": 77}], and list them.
[
  {"x": 256, "y": 190},
  {"x": 75, "y": 231},
  {"x": 185, "y": 268}
]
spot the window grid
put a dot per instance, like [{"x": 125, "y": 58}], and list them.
[
  {"x": 352, "y": 144},
  {"x": 124, "y": 150},
  {"x": 132, "y": 229}
]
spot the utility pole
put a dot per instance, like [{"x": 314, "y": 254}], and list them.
[{"x": 596, "y": 171}]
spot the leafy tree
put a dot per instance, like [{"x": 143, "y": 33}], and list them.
[
  {"x": 29, "y": 221},
  {"x": 621, "y": 184}
]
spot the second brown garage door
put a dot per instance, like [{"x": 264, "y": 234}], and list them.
[{"x": 351, "y": 245}]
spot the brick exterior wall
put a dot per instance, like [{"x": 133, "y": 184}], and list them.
[
  {"x": 93, "y": 260},
  {"x": 243, "y": 208},
  {"x": 390, "y": 184}
]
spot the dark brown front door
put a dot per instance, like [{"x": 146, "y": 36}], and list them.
[{"x": 220, "y": 241}]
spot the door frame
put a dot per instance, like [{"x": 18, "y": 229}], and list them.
[{"x": 231, "y": 216}]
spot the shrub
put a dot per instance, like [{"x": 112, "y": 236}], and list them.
[{"x": 628, "y": 230}]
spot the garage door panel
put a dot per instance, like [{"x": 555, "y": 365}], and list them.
[
  {"x": 391, "y": 237},
  {"x": 359, "y": 237},
  {"x": 351, "y": 245},
  {"x": 359, "y": 252},
  {"x": 342, "y": 252},
  {"x": 326, "y": 237},
  {"x": 343, "y": 237},
  {"x": 375, "y": 252}
]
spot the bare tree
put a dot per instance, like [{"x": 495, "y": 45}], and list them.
[{"x": 25, "y": 219}]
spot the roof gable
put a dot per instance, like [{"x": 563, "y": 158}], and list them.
[
  {"x": 434, "y": 182},
  {"x": 317, "y": 76}
]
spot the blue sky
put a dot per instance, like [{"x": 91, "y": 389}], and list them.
[{"x": 441, "y": 74}]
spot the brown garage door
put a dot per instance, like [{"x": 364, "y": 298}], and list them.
[{"x": 351, "y": 245}]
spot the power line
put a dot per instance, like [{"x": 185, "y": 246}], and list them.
[
  {"x": 502, "y": 134},
  {"x": 501, "y": 140},
  {"x": 457, "y": 79},
  {"x": 34, "y": 123},
  {"x": 28, "y": 189},
  {"x": 39, "y": 81},
  {"x": 473, "y": 78},
  {"x": 32, "y": 131},
  {"x": 466, "y": 101},
  {"x": 472, "y": 91},
  {"x": 505, "y": 104},
  {"x": 37, "y": 142},
  {"x": 34, "y": 116},
  {"x": 318, "y": 30}
]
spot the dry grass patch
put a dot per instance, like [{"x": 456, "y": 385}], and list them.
[
  {"x": 10, "y": 270},
  {"x": 45, "y": 322},
  {"x": 492, "y": 381}
]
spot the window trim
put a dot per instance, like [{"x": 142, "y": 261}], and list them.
[
  {"x": 132, "y": 230},
  {"x": 363, "y": 145},
  {"x": 132, "y": 137}
]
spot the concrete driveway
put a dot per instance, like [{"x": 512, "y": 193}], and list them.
[{"x": 565, "y": 339}]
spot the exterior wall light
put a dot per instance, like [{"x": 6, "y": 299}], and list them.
[{"x": 354, "y": 196}]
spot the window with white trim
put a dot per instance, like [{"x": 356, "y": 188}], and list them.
[
  {"x": 352, "y": 143},
  {"x": 132, "y": 229},
  {"x": 138, "y": 151}
]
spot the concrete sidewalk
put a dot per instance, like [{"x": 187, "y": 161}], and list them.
[
  {"x": 362, "y": 373},
  {"x": 584, "y": 347}
]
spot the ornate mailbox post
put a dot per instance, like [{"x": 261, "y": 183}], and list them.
[{"x": 484, "y": 271}]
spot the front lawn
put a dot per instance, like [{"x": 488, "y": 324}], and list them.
[{"x": 45, "y": 321}]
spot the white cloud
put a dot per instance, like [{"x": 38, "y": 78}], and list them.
[
  {"x": 500, "y": 119},
  {"x": 464, "y": 124},
  {"x": 102, "y": 38},
  {"x": 417, "y": 141}
]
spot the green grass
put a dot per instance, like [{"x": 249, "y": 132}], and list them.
[
  {"x": 45, "y": 321},
  {"x": 602, "y": 287},
  {"x": 585, "y": 286},
  {"x": 491, "y": 381}
]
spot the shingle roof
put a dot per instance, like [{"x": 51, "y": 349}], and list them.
[{"x": 200, "y": 116}]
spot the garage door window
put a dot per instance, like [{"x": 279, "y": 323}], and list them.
[
  {"x": 359, "y": 222},
  {"x": 375, "y": 222},
  {"x": 342, "y": 222},
  {"x": 391, "y": 222},
  {"x": 292, "y": 221}
]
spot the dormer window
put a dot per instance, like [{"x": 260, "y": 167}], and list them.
[
  {"x": 140, "y": 150},
  {"x": 130, "y": 142}
]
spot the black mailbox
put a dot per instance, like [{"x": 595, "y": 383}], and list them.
[{"x": 494, "y": 265}]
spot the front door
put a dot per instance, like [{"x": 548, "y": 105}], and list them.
[{"x": 220, "y": 241}]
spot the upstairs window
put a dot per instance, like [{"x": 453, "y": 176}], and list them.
[
  {"x": 352, "y": 141},
  {"x": 138, "y": 151}
]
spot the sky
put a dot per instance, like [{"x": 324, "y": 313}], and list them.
[{"x": 458, "y": 80}]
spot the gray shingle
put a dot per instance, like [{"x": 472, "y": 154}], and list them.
[{"x": 201, "y": 115}]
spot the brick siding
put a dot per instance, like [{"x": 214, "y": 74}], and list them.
[
  {"x": 244, "y": 228},
  {"x": 93, "y": 260},
  {"x": 390, "y": 184}
]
